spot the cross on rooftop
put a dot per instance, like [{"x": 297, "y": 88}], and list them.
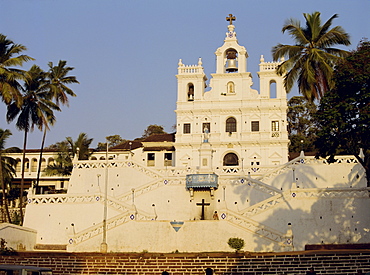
[
  {"x": 231, "y": 18},
  {"x": 203, "y": 204}
]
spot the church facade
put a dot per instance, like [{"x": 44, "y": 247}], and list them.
[
  {"x": 231, "y": 124},
  {"x": 225, "y": 173}
]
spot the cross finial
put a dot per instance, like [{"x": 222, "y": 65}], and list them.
[{"x": 231, "y": 18}]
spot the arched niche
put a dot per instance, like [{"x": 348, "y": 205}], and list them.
[
  {"x": 231, "y": 159},
  {"x": 272, "y": 88},
  {"x": 230, "y": 87},
  {"x": 190, "y": 92}
]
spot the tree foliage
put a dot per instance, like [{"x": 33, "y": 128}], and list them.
[
  {"x": 10, "y": 56},
  {"x": 36, "y": 110},
  {"x": 7, "y": 170},
  {"x": 301, "y": 124},
  {"x": 153, "y": 129},
  {"x": 58, "y": 79},
  {"x": 312, "y": 59},
  {"x": 344, "y": 112},
  {"x": 113, "y": 140},
  {"x": 236, "y": 243},
  {"x": 62, "y": 165},
  {"x": 66, "y": 150}
]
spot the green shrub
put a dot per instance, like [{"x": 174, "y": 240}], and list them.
[{"x": 236, "y": 243}]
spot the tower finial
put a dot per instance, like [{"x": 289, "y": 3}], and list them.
[{"x": 231, "y": 18}]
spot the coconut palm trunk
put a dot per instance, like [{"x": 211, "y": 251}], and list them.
[
  {"x": 40, "y": 161},
  {"x": 4, "y": 201},
  {"x": 22, "y": 177}
]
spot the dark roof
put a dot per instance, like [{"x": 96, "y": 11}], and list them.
[
  {"x": 293, "y": 155},
  {"x": 158, "y": 148},
  {"x": 45, "y": 150},
  {"x": 153, "y": 138},
  {"x": 127, "y": 146},
  {"x": 160, "y": 138}
]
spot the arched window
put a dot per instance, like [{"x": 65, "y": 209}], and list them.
[
  {"x": 230, "y": 125},
  {"x": 231, "y": 159},
  {"x": 230, "y": 87},
  {"x": 50, "y": 161},
  {"x": 273, "y": 93},
  {"x": 34, "y": 165},
  {"x": 43, "y": 164},
  {"x": 27, "y": 165},
  {"x": 190, "y": 92},
  {"x": 18, "y": 165}
]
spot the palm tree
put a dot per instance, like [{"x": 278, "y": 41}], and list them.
[
  {"x": 62, "y": 165},
  {"x": 67, "y": 149},
  {"x": 312, "y": 59},
  {"x": 36, "y": 110},
  {"x": 80, "y": 146},
  {"x": 9, "y": 85},
  {"x": 7, "y": 169},
  {"x": 57, "y": 80}
]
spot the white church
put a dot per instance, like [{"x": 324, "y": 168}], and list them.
[{"x": 224, "y": 174}]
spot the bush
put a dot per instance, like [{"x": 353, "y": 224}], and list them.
[
  {"x": 236, "y": 243},
  {"x": 4, "y": 250}
]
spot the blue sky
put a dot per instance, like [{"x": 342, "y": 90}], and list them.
[{"x": 125, "y": 53}]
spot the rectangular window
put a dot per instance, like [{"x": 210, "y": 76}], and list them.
[
  {"x": 151, "y": 159},
  {"x": 275, "y": 126},
  {"x": 186, "y": 128},
  {"x": 255, "y": 126},
  {"x": 167, "y": 159},
  {"x": 207, "y": 125}
]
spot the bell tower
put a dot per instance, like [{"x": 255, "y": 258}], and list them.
[
  {"x": 230, "y": 127},
  {"x": 231, "y": 57}
]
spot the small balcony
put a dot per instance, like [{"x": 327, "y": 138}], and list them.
[{"x": 201, "y": 181}]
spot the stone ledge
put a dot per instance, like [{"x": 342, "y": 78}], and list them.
[
  {"x": 50, "y": 247},
  {"x": 337, "y": 246}
]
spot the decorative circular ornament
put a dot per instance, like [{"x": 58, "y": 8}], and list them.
[
  {"x": 242, "y": 180},
  {"x": 294, "y": 195},
  {"x": 230, "y": 34},
  {"x": 70, "y": 241},
  {"x": 97, "y": 198},
  {"x": 132, "y": 216},
  {"x": 165, "y": 181},
  {"x": 223, "y": 216}
]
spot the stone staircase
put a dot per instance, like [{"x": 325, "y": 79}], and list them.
[{"x": 257, "y": 228}]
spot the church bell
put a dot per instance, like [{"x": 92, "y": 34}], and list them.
[{"x": 231, "y": 64}]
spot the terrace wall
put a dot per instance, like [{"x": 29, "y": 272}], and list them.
[{"x": 325, "y": 262}]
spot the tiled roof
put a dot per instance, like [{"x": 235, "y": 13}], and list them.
[
  {"x": 160, "y": 138},
  {"x": 153, "y": 138},
  {"x": 126, "y": 145},
  {"x": 293, "y": 155}
]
